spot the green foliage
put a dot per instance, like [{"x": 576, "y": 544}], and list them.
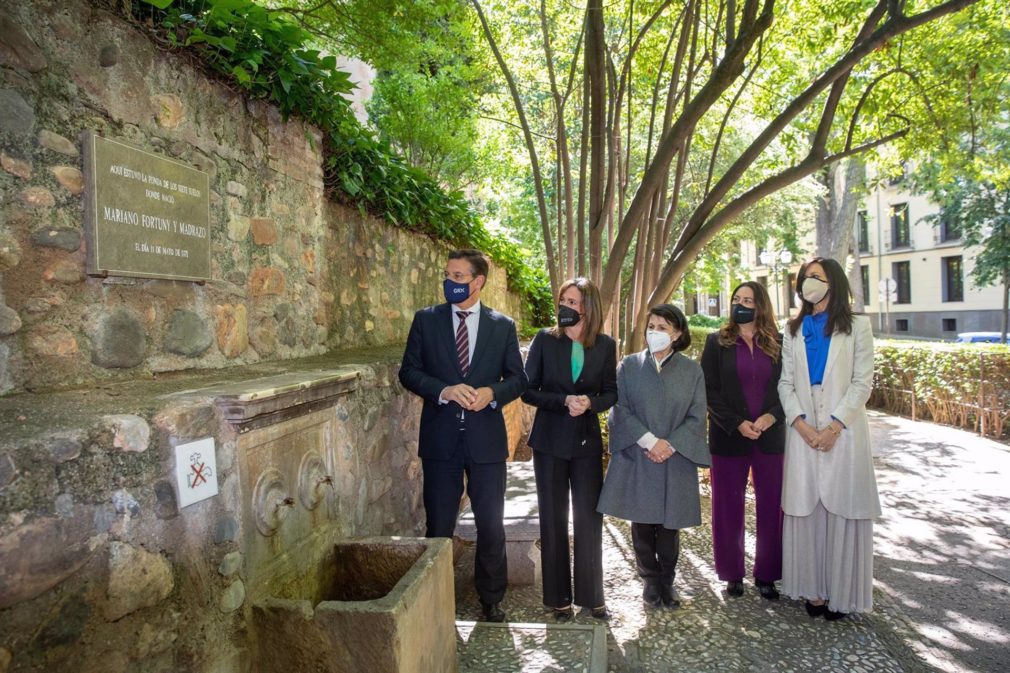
[
  {"x": 266, "y": 53},
  {"x": 698, "y": 336},
  {"x": 430, "y": 118},
  {"x": 958, "y": 384},
  {"x": 972, "y": 187},
  {"x": 700, "y": 320},
  {"x": 270, "y": 56}
]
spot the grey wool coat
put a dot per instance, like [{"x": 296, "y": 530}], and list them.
[{"x": 671, "y": 405}]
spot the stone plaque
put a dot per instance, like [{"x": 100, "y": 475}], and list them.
[{"x": 145, "y": 215}]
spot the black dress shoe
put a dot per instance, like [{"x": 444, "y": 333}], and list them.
[
  {"x": 651, "y": 594},
  {"x": 492, "y": 612},
  {"x": 833, "y": 616},
  {"x": 601, "y": 613},
  {"x": 767, "y": 590},
  {"x": 563, "y": 615},
  {"x": 669, "y": 596},
  {"x": 816, "y": 610},
  {"x": 734, "y": 589}
]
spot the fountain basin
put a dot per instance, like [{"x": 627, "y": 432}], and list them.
[{"x": 377, "y": 605}]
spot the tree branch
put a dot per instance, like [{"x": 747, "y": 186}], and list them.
[
  {"x": 677, "y": 265},
  {"x": 530, "y": 147},
  {"x": 722, "y": 77}
]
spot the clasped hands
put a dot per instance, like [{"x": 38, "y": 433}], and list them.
[
  {"x": 818, "y": 440},
  {"x": 753, "y": 429},
  {"x": 660, "y": 452},
  {"x": 577, "y": 404},
  {"x": 468, "y": 397}
]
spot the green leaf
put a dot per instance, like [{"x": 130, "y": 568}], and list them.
[
  {"x": 241, "y": 74},
  {"x": 285, "y": 80}
]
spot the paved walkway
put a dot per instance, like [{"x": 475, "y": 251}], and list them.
[
  {"x": 942, "y": 569},
  {"x": 943, "y": 543}
]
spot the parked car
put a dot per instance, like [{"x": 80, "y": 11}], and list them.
[{"x": 978, "y": 338}]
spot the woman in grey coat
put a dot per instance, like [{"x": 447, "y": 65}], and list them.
[{"x": 657, "y": 442}]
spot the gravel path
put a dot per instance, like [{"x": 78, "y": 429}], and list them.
[{"x": 941, "y": 594}]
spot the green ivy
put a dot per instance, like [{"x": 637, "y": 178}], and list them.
[{"x": 269, "y": 56}]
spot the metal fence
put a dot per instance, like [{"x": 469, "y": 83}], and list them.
[{"x": 973, "y": 393}]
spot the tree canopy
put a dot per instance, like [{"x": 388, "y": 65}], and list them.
[
  {"x": 692, "y": 112},
  {"x": 619, "y": 140}
]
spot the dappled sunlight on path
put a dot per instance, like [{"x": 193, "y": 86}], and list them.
[
  {"x": 941, "y": 592},
  {"x": 943, "y": 542}
]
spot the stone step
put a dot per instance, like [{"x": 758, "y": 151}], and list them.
[{"x": 522, "y": 524}]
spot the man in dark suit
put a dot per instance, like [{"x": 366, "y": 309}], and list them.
[{"x": 463, "y": 359}]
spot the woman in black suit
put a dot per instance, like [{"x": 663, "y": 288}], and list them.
[
  {"x": 572, "y": 371},
  {"x": 746, "y": 434}
]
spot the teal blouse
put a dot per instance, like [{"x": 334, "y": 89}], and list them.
[{"x": 578, "y": 359}]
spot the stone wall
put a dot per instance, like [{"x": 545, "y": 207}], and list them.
[
  {"x": 101, "y": 570},
  {"x": 292, "y": 274},
  {"x": 101, "y": 378},
  {"x": 383, "y": 274}
]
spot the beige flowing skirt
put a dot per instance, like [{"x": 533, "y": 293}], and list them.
[{"x": 828, "y": 557}]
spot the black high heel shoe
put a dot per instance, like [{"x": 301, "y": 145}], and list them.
[
  {"x": 816, "y": 610},
  {"x": 767, "y": 590},
  {"x": 833, "y": 616},
  {"x": 563, "y": 615}
]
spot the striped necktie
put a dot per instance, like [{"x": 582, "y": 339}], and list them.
[{"x": 463, "y": 343}]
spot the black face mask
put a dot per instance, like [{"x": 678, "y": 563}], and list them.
[
  {"x": 743, "y": 315},
  {"x": 568, "y": 316}
]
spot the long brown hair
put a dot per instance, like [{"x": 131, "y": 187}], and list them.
[
  {"x": 592, "y": 310},
  {"x": 767, "y": 334},
  {"x": 839, "y": 297}
]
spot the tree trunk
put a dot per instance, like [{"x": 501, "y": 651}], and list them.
[
  {"x": 836, "y": 210},
  {"x": 538, "y": 183},
  {"x": 855, "y": 274},
  {"x": 596, "y": 72},
  {"x": 1006, "y": 304},
  {"x": 581, "y": 266},
  {"x": 565, "y": 215}
]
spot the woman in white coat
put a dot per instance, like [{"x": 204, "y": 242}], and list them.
[{"x": 829, "y": 494}]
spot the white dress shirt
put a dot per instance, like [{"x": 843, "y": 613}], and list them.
[{"x": 472, "y": 322}]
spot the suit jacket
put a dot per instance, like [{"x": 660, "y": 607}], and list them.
[
  {"x": 727, "y": 408},
  {"x": 549, "y": 370},
  {"x": 430, "y": 364},
  {"x": 842, "y": 479}
]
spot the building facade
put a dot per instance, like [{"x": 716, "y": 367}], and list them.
[{"x": 915, "y": 274}]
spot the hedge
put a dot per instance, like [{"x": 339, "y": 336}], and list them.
[{"x": 964, "y": 385}]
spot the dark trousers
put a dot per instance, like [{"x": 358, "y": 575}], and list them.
[
  {"x": 656, "y": 551},
  {"x": 485, "y": 484},
  {"x": 729, "y": 486},
  {"x": 583, "y": 477}
]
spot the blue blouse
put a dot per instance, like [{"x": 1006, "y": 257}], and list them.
[{"x": 817, "y": 343}]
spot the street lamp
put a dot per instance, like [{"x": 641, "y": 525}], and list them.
[{"x": 776, "y": 261}]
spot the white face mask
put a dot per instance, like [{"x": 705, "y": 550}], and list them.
[
  {"x": 814, "y": 289},
  {"x": 658, "y": 341}
]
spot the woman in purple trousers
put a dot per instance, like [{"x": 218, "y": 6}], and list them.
[{"x": 746, "y": 435}]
